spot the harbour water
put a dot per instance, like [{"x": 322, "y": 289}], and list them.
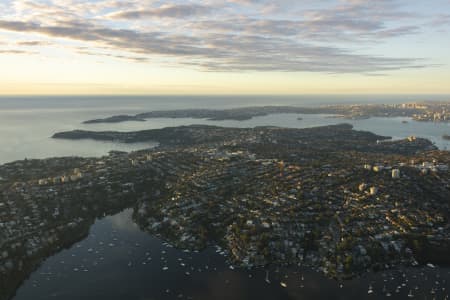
[
  {"x": 26, "y": 124},
  {"x": 119, "y": 261}
]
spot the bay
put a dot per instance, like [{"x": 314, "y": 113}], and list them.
[
  {"x": 26, "y": 124},
  {"x": 119, "y": 261},
  {"x": 92, "y": 269}
]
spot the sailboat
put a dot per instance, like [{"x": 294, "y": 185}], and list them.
[{"x": 267, "y": 277}]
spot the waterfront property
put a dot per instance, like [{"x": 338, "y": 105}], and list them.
[{"x": 267, "y": 196}]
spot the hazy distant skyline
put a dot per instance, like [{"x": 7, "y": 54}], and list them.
[{"x": 225, "y": 47}]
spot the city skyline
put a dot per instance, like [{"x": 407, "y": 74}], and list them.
[{"x": 224, "y": 47}]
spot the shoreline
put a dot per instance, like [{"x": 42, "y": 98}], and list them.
[{"x": 254, "y": 191}]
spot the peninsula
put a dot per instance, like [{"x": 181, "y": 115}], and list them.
[
  {"x": 334, "y": 199},
  {"x": 426, "y": 111}
]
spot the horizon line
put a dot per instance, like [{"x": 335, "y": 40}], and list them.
[{"x": 223, "y": 95}]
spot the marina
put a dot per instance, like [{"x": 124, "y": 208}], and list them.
[{"x": 141, "y": 259}]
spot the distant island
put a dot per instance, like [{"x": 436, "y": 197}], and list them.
[
  {"x": 334, "y": 199},
  {"x": 427, "y": 111},
  {"x": 117, "y": 119}
]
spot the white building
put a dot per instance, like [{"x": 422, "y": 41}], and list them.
[
  {"x": 362, "y": 187},
  {"x": 378, "y": 168},
  {"x": 395, "y": 173}
]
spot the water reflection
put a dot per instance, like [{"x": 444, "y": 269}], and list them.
[
  {"x": 118, "y": 261},
  {"x": 123, "y": 222},
  {"x": 26, "y": 124}
]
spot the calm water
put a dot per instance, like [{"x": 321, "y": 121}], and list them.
[
  {"x": 118, "y": 261},
  {"x": 27, "y": 123},
  {"x": 132, "y": 266}
]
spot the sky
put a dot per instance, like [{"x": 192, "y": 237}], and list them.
[{"x": 283, "y": 47}]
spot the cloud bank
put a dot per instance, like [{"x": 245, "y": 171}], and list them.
[{"x": 233, "y": 36}]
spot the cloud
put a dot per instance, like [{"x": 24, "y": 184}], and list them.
[
  {"x": 227, "y": 36},
  {"x": 125, "y": 39},
  {"x": 441, "y": 20},
  {"x": 398, "y": 31},
  {"x": 223, "y": 52},
  {"x": 117, "y": 56},
  {"x": 13, "y": 51},
  {"x": 165, "y": 11},
  {"x": 33, "y": 43},
  {"x": 313, "y": 30},
  {"x": 263, "y": 54}
]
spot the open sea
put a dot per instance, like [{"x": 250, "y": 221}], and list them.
[{"x": 133, "y": 267}]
